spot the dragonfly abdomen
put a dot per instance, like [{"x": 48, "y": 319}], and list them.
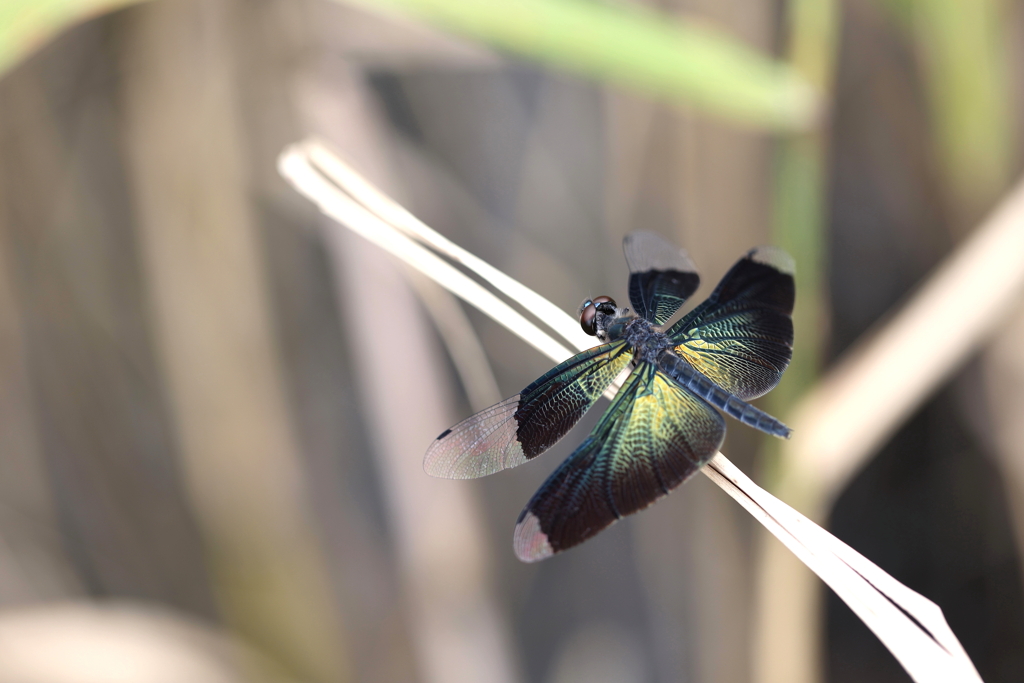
[{"x": 689, "y": 378}]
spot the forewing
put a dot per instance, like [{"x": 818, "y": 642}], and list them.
[
  {"x": 524, "y": 426},
  {"x": 653, "y": 437},
  {"x": 742, "y": 336},
  {"x": 661, "y": 276}
]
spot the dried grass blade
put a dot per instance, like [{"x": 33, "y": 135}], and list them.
[
  {"x": 909, "y": 625},
  {"x": 393, "y": 213},
  {"x": 295, "y": 166}
]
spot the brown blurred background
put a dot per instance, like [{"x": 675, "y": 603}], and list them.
[{"x": 214, "y": 406}]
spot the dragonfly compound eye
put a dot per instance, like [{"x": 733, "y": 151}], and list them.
[
  {"x": 590, "y": 309},
  {"x": 588, "y": 317}
]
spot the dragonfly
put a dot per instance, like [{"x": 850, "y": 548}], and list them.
[{"x": 664, "y": 423}]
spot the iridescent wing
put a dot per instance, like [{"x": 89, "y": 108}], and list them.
[
  {"x": 652, "y": 438},
  {"x": 661, "y": 276},
  {"x": 524, "y": 426},
  {"x": 742, "y": 336}
]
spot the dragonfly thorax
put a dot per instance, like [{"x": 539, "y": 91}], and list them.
[
  {"x": 601, "y": 318},
  {"x": 642, "y": 336}
]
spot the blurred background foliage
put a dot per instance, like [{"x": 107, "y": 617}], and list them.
[{"x": 213, "y": 408}]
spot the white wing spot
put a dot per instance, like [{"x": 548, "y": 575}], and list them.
[{"x": 530, "y": 543}]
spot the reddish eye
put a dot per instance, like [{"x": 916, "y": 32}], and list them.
[
  {"x": 588, "y": 314},
  {"x": 590, "y": 309}
]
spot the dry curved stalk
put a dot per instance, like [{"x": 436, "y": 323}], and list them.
[
  {"x": 911, "y": 626},
  {"x": 845, "y": 417}
]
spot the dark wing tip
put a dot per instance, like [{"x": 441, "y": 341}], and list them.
[
  {"x": 529, "y": 542},
  {"x": 775, "y": 257}
]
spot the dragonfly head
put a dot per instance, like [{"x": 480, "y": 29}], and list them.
[{"x": 593, "y": 314}]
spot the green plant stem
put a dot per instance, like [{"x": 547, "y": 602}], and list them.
[
  {"x": 963, "y": 48},
  {"x": 630, "y": 46},
  {"x": 800, "y": 196}
]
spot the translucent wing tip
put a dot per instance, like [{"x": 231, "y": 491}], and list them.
[
  {"x": 650, "y": 251},
  {"x": 529, "y": 542},
  {"x": 775, "y": 257},
  {"x": 435, "y": 462},
  {"x": 480, "y": 445}
]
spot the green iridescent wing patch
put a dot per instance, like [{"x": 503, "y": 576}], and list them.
[
  {"x": 661, "y": 276},
  {"x": 741, "y": 337},
  {"x": 652, "y": 438},
  {"x": 524, "y": 426}
]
